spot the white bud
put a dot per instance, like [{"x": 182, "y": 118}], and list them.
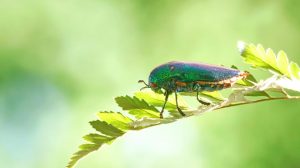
[{"x": 241, "y": 46}]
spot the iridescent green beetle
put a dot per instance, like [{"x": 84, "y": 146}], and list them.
[{"x": 174, "y": 77}]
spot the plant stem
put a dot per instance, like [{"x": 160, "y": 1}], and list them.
[{"x": 260, "y": 100}]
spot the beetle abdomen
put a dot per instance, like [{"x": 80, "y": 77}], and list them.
[{"x": 199, "y": 86}]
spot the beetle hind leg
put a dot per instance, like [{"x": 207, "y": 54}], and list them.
[
  {"x": 178, "y": 108},
  {"x": 201, "y": 101},
  {"x": 163, "y": 108}
]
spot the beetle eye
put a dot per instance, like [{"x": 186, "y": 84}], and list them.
[{"x": 153, "y": 85}]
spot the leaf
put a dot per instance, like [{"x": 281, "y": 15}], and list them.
[
  {"x": 84, "y": 149},
  {"x": 249, "y": 81},
  {"x": 140, "y": 113},
  {"x": 112, "y": 125},
  {"x": 118, "y": 120},
  {"x": 131, "y": 103},
  {"x": 96, "y": 142},
  {"x": 234, "y": 67},
  {"x": 288, "y": 84},
  {"x": 295, "y": 70},
  {"x": 137, "y": 107},
  {"x": 96, "y": 138},
  {"x": 106, "y": 128},
  {"x": 255, "y": 56},
  {"x": 159, "y": 99},
  {"x": 283, "y": 63},
  {"x": 271, "y": 58},
  {"x": 215, "y": 95},
  {"x": 258, "y": 93},
  {"x": 244, "y": 83},
  {"x": 258, "y": 57}
]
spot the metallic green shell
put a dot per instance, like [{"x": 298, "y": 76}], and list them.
[{"x": 164, "y": 75}]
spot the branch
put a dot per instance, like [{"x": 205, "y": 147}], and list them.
[
  {"x": 142, "y": 110},
  {"x": 261, "y": 100}
]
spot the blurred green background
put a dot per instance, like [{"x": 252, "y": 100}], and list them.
[{"x": 62, "y": 61}]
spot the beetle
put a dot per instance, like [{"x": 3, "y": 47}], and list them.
[{"x": 174, "y": 77}]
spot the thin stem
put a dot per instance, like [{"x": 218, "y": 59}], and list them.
[{"x": 260, "y": 100}]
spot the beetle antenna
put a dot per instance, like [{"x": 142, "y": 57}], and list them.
[
  {"x": 144, "y": 88},
  {"x": 142, "y": 81},
  {"x": 146, "y": 85}
]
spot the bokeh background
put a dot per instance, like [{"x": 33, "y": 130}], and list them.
[{"x": 62, "y": 61}]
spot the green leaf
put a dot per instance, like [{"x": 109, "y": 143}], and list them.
[
  {"x": 257, "y": 93},
  {"x": 244, "y": 83},
  {"x": 214, "y": 96},
  {"x": 118, "y": 120},
  {"x": 258, "y": 57},
  {"x": 137, "y": 107},
  {"x": 112, "y": 125},
  {"x": 271, "y": 58},
  {"x": 283, "y": 63},
  {"x": 249, "y": 81},
  {"x": 234, "y": 67},
  {"x": 295, "y": 70},
  {"x": 140, "y": 113},
  {"x": 97, "y": 139},
  {"x": 96, "y": 142},
  {"x": 84, "y": 149},
  {"x": 106, "y": 128},
  {"x": 132, "y": 103},
  {"x": 159, "y": 99},
  {"x": 255, "y": 56}
]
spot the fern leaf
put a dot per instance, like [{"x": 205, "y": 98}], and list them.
[{"x": 259, "y": 58}]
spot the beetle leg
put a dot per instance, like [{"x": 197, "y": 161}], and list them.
[
  {"x": 201, "y": 101},
  {"x": 166, "y": 100},
  {"x": 179, "y": 110}
]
